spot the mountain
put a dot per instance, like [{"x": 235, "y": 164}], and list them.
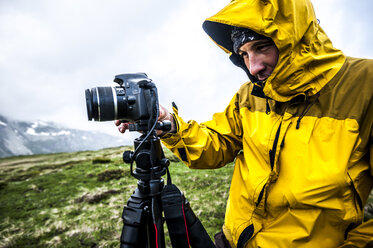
[{"x": 26, "y": 138}]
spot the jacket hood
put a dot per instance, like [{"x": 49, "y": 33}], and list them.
[{"x": 307, "y": 58}]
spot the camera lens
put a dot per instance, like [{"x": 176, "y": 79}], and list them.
[{"x": 102, "y": 103}]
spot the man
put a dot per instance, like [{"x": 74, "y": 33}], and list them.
[{"x": 300, "y": 132}]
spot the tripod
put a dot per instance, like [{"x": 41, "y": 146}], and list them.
[{"x": 142, "y": 217}]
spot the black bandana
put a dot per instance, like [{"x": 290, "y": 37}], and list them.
[{"x": 240, "y": 36}]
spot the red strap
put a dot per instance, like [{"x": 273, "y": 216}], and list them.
[
  {"x": 156, "y": 235},
  {"x": 186, "y": 227}
]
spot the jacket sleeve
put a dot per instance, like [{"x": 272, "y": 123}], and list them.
[{"x": 208, "y": 145}]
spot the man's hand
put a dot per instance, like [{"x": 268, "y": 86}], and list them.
[{"x": 164, "y": 115}]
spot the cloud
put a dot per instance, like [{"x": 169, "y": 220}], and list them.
[
  {"x": 347, "y": 24},
  {"x": 51, "y": 51}
]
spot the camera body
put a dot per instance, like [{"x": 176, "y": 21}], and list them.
[{"x": 133, "y": 100}]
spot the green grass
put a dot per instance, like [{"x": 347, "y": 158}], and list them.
[{"x": 76, "y": 199}]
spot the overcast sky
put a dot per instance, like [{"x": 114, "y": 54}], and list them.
[{"x": 52, "y": 50}]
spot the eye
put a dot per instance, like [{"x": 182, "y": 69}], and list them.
[
  {"x": 243, "y": 54},
  {"x": 262, "y": 47}
]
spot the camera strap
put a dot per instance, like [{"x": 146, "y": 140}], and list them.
[{"x": 174, "y": 211}]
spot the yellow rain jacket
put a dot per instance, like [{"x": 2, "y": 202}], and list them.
[{"x": 303, "y": 150}]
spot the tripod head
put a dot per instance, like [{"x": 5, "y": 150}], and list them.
[
  {"x": 142, "y": 126},
  {"x": 149, "y": 157}
]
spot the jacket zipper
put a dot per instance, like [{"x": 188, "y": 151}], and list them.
[
  {"x": 272, "y": 152},
  {"x": 272, "y": 155}
]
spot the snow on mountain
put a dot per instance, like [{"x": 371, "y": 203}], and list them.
[{"x": 26, "y": 138}]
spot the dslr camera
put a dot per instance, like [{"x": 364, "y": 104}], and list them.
[{"x": 135, "y": 99}]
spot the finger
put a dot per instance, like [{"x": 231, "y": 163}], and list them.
[
  {"x": 123, "y": 127},
  {"x": 163, "y": 112}
]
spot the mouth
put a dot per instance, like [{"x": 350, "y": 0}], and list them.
[{"x": 263, "y": 77}]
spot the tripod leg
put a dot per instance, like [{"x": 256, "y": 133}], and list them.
[
  {"x": 156, "y": 206},
  {"x": 138, "y": 230}
]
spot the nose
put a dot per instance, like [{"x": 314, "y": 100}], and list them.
[{"x": 255, "y": 66}]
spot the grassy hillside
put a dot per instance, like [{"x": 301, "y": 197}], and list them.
[{"x": 76, "y": 199}]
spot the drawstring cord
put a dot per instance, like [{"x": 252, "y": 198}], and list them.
[
  {"x": 306, "y": 110},
  {"x": 268, "y": 109}
]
